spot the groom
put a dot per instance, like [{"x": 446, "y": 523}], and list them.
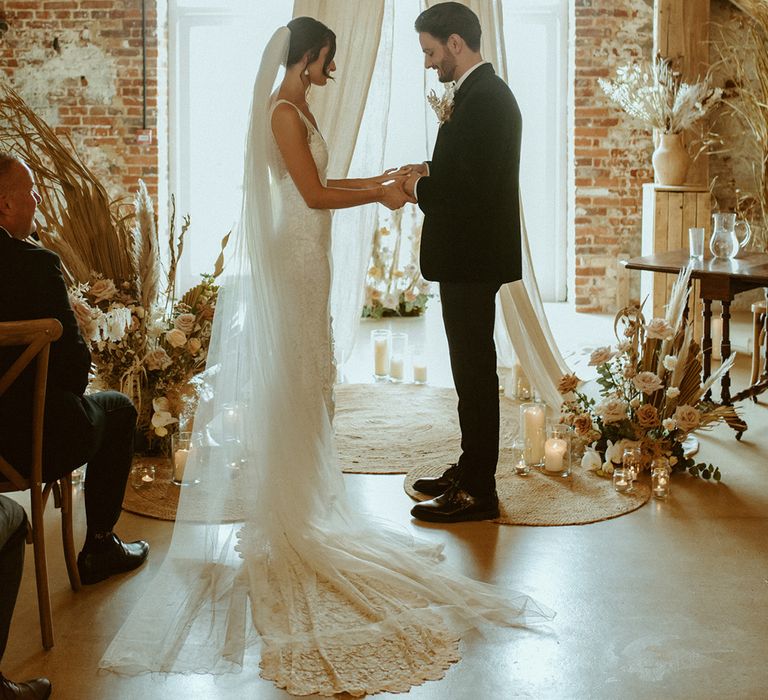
[{"x": 471, "y": 245}]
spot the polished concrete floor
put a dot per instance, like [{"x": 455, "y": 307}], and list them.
[{"x": 666, "y": 602}]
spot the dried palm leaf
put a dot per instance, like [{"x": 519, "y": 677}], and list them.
[{"x": 81, "y": 223}]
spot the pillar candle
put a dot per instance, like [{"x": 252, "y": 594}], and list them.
[
  {"x": 554, "y": 451},
  {"x": 397, "y": 367},
  {"x": 381, "y": 357},
  {"x": 534, "y": 433},
  {"x": 179, "y": 464},
  {"x": 419, "y": 370}
]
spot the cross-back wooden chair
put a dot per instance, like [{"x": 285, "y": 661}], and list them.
[{"x": 36, "y": 337}]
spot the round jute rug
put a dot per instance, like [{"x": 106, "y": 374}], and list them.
[
  {"x": 539, "y": 499},
  {"x": 390, "y": 428},
  {"x": 160, "y": 498}
]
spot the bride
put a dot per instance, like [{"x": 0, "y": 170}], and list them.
[{"x": 267, "y": 552}]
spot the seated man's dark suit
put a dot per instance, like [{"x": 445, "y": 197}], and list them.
[{"x": 98, "y": 428}]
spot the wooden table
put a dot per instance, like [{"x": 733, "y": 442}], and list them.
[{"x": 719, "y": 280}]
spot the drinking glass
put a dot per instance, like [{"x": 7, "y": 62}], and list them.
[{"x": 696, "y": 242}]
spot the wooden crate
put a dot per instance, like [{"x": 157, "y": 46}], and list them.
[{"x": 668, "y": 213}]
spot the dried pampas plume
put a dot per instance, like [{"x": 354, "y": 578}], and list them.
[{"x": 147, "y": 248}]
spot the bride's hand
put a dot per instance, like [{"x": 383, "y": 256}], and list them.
[{"x": 390, "y": 175}]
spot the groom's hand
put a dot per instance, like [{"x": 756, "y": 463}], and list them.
[
  {"x": 395, "y": 196},
  {"x": 409, "y": 186},
  {"x": 417, "y": 168}
]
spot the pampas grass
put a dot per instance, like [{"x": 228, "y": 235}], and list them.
[
  {"x": 656, "y": 95},
  {"x": 743, "y": 54},
  {"x": 148, "y": 253}
]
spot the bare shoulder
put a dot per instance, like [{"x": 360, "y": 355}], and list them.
[{"x": 286, "y": 119}]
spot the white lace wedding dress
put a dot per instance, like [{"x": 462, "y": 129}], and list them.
[{"x": 266, "y": 549}]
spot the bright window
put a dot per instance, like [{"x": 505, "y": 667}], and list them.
[{"x": 215, "y": 49}]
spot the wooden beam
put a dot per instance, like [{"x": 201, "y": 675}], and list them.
[{"x": 681, "y": 32}]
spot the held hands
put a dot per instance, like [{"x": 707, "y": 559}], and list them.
[
  {"x": 393, "y": 196},
  {"x": 419, "y": 169}
]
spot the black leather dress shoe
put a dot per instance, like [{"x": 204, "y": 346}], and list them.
[
  {"x": 436, "y": 486},
  {"x": 456, "y": 505},
  {"x": 110, "y": 558},
  {"x": 37, "y": 689}
]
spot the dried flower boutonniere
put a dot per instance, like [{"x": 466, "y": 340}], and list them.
[{"x": 443, "y": 106}]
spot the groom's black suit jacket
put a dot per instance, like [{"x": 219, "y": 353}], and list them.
[
  {"x": 32, "y": 286},
  {"x": 470, "y": 198}
]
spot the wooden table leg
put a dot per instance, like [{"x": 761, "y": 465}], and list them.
[
  {"x": 706, "y": 342},
  {"x": 725, "y": 352}
]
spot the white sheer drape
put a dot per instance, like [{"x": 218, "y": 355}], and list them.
[
  {"x": 522, "y": 331},
  {"x": 352, "y": 115}
]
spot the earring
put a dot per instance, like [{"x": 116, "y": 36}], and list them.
[{"x": 306, "y": 72}]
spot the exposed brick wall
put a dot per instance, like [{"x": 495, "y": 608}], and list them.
[
  {"x": 79, "y": 65},
  {"x": 612, "y": 153}
]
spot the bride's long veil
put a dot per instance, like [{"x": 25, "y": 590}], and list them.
[{"x": 265, "y": 547}]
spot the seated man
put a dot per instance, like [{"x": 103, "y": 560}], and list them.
[
  {"x": 98, "y": 428},
  {"x": 13, "y": 530}
]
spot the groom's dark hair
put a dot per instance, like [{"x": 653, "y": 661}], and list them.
[
  {"x": 310, "y": 35},
  {"x": 448, "y": 18}
]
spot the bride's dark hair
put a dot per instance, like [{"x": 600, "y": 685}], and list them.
[{"x": 309, "y": 35}]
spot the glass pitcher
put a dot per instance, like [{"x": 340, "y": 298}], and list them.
[{"x": 729, "y": 236}]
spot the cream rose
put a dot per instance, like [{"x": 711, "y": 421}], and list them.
[
  {"x": 612, "y": 410},
  {"x": 669, "y": 362},
  {"x": 687, "y": 417},
  {"x": 601, "y": 356},
  {"x": 659, "y": 328},
  {"x": 157, "y": 359},
  {"x": 582, "y": 424},
  {"x": 176, "y": 338},
  {"x": 185, "y": 323},
  {"x": 673, "y": 392},
  {"x": 567, "y": 383},
  {"x": 102, "y": 290},
  {"x": 647, "y": 382},
  {"x": 194, "y": 345},
  {"x": 87, "y": 319},
  {"x": 647, "y": 416}
]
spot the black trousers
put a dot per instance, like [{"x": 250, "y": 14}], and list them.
[
  {"x": 109, "y": 458},
  {"x": 13, "y": 530},
  {"x": 469, "y": 314},
  {"x": 97, "y": 429}
]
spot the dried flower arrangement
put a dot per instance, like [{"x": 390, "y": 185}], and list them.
[
  {"x": 651, "y": 393},
  {"x": 144, "y": 341},
  {"x": 656, "y": 95}
]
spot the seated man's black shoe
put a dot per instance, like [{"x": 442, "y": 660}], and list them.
[
  {"x": 37, "y": 689},
  {"x": 109, "y": 558},
  {"x": 435, "y": 486},
  {"x": 456, "y": 505}
]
